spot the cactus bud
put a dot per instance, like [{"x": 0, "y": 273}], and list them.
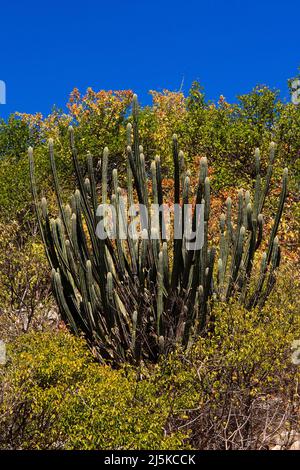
[
  {"x": 222, "y": 222},
  {"x": 88, "y": 264},
  {"x": 161, "y": 343},
  {"x": 44, "y": 207},
  {"x": 144, "y": 234},
  {"x": 154, "y": 234},
  {"x": 257, "y": 160},
  {"x": 247, "y": 197},
  {"x": 109, "y": 285}
]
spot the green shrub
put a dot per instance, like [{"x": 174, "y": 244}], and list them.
[
  {"x": 242, "y": 386},
  {"x": 55, "y": 396},
  {"x": 25, "y": 286},
  {"x": 14, "y": 138}
]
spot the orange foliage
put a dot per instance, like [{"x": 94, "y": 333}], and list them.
[{"x": 107, "y": 104}]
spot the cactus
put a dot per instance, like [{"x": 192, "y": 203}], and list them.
[{"x": 126, "y": 296}]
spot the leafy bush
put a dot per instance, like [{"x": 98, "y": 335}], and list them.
[
  {"x": 14, "y": 138},
  {"x": 15, "y": 194},
  {"x": 240, "y": 379},
  {"x": 53, "y": 396},
  {"x": 25, "y": 301}
]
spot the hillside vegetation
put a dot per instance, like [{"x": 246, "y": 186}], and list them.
[{"x": 230, "y": 383}]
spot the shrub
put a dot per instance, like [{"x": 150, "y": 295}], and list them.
[
  {"x": 236, "y": 388},
  {"x": 240, "y": 380},
  {"x": 54, "y": 396},
  {"x": 25, "y": 285},
  {"x": 14, "y": 138}
]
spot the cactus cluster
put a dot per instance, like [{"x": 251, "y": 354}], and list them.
[{"x": 136, "y": 299}]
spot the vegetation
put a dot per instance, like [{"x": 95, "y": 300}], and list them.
[
  {"x": 227, "y": 134},
  {"x": 235, "y": 389},
  {"x": 201, "y": 368},
  {"x": 56, "y": 396},
  {"x": 130, "y": 301}
]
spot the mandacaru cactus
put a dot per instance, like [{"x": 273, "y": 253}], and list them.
[{"x": 135, "y": 299}]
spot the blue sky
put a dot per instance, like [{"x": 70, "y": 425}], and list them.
[{"x": 48, "y": 48}]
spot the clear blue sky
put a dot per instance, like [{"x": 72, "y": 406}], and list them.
[{"x": 49, "y": 47}]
